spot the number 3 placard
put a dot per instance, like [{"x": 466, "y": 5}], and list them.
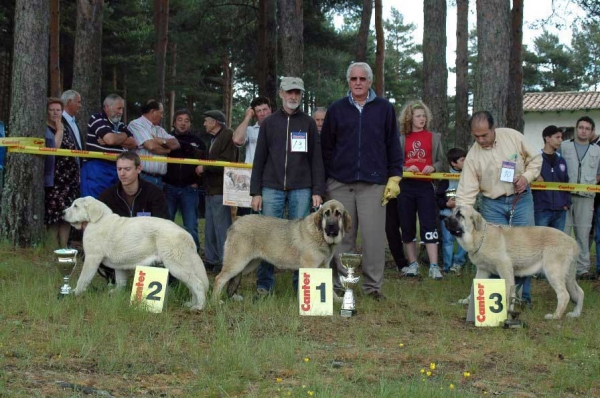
[
  {"x": 149, "y": 288},
  {"x": 490, "y": 302},
  {"x": 315, "y": 292}
]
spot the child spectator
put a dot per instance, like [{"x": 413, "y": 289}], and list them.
[
  {"x": 446, "y": 193},
  {"x": 423, "y": 153}
]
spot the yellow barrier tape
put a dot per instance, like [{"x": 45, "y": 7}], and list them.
[
  {"x": 112, "y": 156},
  {"x": 25, "y": 141},
  {"x": 33, "y": 146}
]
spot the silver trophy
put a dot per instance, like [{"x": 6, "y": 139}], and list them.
[
  {"x": 451, "y": 194},
  {"x": 350, "y": 262},
  {"x": 66, "y": 257}
]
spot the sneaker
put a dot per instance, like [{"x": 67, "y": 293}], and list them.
[
  {"x": 261, "y": 293},
  {"x": 404, "y": 270},
  {"x": 434, "y": 272},
  {"x": 456, "y": 269},
  {"x": 413, "y": 269}
]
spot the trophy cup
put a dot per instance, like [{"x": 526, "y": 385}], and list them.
[
  {"x": 350, "y": 262},
  {"x": 451, "y": 194},
  {"x": 513, "y": 321},
  {"x": 66, "y": 256}
]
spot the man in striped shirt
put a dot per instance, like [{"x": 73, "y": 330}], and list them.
[
  {"x": 151, "y": 140},
  {"x": 106, "y": 133}
]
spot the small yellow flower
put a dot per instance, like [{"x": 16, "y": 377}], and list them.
[
  {"x": 303, "y": 385},
  {"x": 428, "y": 374},
  {"x": 279, "y": 380},
  {"x": 289, "y": 393},
  {"x": 452, "y": 386},
  {"x": 279, "y": 389},
  {"x": 432, "y": 366},
  {"x": 401, "y": 345},
  {"x": 466, "y": 374},
  {"x": 306, "y": 359},
  {"x": 422, "y": 370},
  {"x": 423, "y": 379},
  {"x": 311, "y": 393}
]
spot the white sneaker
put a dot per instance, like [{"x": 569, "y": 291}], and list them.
[
  {"x": 434, "y": 272},
  {"x": 456, "y": 269},
  {"x": 413, "y": 269},
  {"x": 404, "y": 270}
]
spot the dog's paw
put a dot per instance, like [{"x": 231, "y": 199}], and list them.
[
  {"x": 237, "y": 297},
  {"x": 196, "y": 307},
  {"x": 549, "y": 317},
  {"x": 464, "y": 301},
  {"x": 572, "y": 314}
]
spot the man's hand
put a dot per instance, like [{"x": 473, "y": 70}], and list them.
[
  {"x": 451, "y": 203},
  {"x": 257, "y": 203},
  {"x": 317, "y": 200},
  {"x": 413, "y": 169},
  {"x": 249, "y": 114},
  {"x": 392, "y": 190},
  {"x": 520, "y": 184},
  {"x": 199, "y": 169},
  {"x": 428, "y": 170}
]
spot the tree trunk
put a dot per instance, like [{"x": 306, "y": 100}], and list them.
[
  {"x": 380, "y": 52},
  {"x": 227, "y": 88},
  {"x": 493, "y": 54},
  {"x": 267, "y": 49},
  {"x": 55, "y": 88},
  {"x": 87, "y": 71},
  {"x": 363, "y": 31},
  {"x": 291, "y": 27},
  {"x": 514, "y": 112},
  {"x": 173, "y": 77},
  {"x": 22, "y": 210},
  {"x": 463, "y": 135},
  {"x": 435, "y": 72},
  {"x": 161, "y": 29}
]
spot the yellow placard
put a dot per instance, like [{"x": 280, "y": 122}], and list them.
[
  {"x": 490, "y": 302},
  {"x": 149, "y": 289},
  {"x": 315, "y": 291}
]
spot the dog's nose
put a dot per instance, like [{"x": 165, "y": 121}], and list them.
[{"x": 332, "y": 229}]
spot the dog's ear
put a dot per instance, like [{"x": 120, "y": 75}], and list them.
[
  {"x": 95, "y": 209},
  {"x": 319, "y": 218},
  {"x": 347, "y": 221},
  {"x": 477, "y": 221}
]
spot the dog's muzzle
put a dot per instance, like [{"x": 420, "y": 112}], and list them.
[
  {"x": 453, "y": 226},
  {"x": 332, "y": 228}
]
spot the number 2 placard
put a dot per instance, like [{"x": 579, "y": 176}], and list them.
[
  {"x": 315, "y": 292},
  {"x": 490, "y": 302},
  {"x": 150, "y": 288}
]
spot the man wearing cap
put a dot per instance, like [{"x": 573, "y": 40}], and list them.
[
  {"x": 151, "y": 140},
  {"x": 550, "y": 207},
  {"x": 363, "y": 164},
  {"x": 287, "y": 168},
  {"x": 583, "y": 163},
  {"x": 217, "y": 215}
]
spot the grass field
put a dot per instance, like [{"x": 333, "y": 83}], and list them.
[{"x": 97, "y": 345}]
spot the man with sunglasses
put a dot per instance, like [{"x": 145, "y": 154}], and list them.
[{"x": 363, "y": 166}]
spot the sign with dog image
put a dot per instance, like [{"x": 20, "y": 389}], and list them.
[
  {"x": 490, "y": 302},
  {"x": 236, "y": 187},
  {"x": 149, "y": 289},
  {"x": 315, "y": 291}
]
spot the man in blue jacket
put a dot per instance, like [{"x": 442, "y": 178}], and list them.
[
  {"x": 550, "y": 207},
  {"x": 363, "y": 166}
]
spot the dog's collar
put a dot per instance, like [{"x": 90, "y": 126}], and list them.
[{"x": 482, "y": 238}]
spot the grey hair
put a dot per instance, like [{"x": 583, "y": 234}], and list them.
[
  {"x": 319, "y": 109},
  {"x": 111, "y": 99},
  {"x": 365, "y": 66},
  {"x": 69, "y": 95}
]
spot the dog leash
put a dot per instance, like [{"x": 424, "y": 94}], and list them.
[
  {"x": 512, "y": 210},
  {"x": 482, "y": 238}
]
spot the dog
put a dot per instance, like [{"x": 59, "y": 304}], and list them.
[
  {"x": 240, "y": 181},
  {"x": 288, "y": 244},
  {"x": 520, "y": 251},
  {"x": 122, "y": 243}
]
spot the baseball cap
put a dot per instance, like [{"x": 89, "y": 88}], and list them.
[
  {"x": 291, "y": 83},
  {"x": 215, "y": 114}
]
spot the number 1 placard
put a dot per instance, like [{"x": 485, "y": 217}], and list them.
[
  {"x": 490, "y": 302},
  {"x": 315, "y": 291},
  {"x": 149, "y": 288}
]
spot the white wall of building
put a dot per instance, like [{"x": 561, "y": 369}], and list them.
[{"x": 536, "y": 122}]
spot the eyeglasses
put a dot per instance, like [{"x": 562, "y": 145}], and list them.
[{"x": 354, "y": 78}]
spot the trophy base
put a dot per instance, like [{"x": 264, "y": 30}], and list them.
[{"x": 347, "y": 313}]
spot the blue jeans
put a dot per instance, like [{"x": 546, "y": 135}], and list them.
[
  {"x": 299, "y": 202},
  {"x": 551, "y": 218},
  {"x": 448, "y": 250},
  {"x": 156, "y": 180},
  {"x": 218, "y": 219},
  {"x": 497, "y": 211},
  {"x": 184, "y": 199}
]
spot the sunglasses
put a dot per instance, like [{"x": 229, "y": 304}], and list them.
[{"x": 362, "y": 79}]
